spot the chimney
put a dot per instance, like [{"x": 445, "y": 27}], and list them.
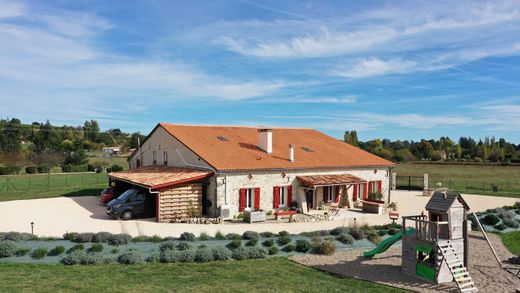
[
  {"x": 291, "y": 153},
  {"x": 265, "y": 139}
]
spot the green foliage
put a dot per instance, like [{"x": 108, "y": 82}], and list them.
[
  {"x": 234, "y": 244},
  {"x": 39, "y": 253},
  {"x": 345, "y": 239},
  {"x": 57, "y": 250},
  {"x": 70, "y": 236},
  {"x": 326, "y": 247},
  {"x": 500, "y": 226},
  {"x": 283, "y": 240},
  {"x": 221, "y": 253},
  {"x": 240, "y": 253},
  {"x": 116, "y": 168},
  {"x": 22, "y": 251},
  {"x": 491, "y": 219},
  {"x": 203, "y": 255},
  {"x": 131, "y": 258},
  {"x": 283, "y": 234},
  {"x": 288, "y": 248},
  {"x": 252, "y": 242},
  {"x": 8, "y": 248},
  {"x": 169, "y": 256},
  {"x": 203, "y": 236},
  {"x": 119, "y": 239},
  {"x": 374, "y": 238},
  {"x": 256, "y": 253},
  {"x": 358, "y": 234},
  {"x": 382, "y": 232},
  {"x": 220, "y": 236},
  {"x": 76, "y": 247},
  {"x": 268, "y": 242},
  {"x": 167, "y": 245},
  {"x": 187, "y": 236},
  {"x": 302, "y": 245},
  {"x": 183, "y": 245},
  {"x": 96, "y": 247},
  {"x": 114, "y": 250},
  {"x": 511, "y": 240},
  {"x": 187, "y": 255},
  {"x": 83, "y": 237},
  {"x": 154, "y": 258},
  {"x": 92, "y": 258},
  {"x": 273, "y": 250},
  {"x": 10, "y": 170},
  {"x": 233, "y": 236},
  {"x": 266, "y": 234},
  {"x": 338, "y": 230},
  {"x": 156, "y": 239},
  {"x": 31, "y": 170},
  {"x": 511, "y": 223},
  {"x": 248, "y": 235},
  {"x": 141, "y": 238},
  {"x": 17, "y": 236},
  {"x": 392, "y": 231},
  {"x": 73, "y": 258}
]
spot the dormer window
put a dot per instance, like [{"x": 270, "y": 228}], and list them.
[
  {"x": 307, "y": 149},
  {"x": 222, "y": 138}
]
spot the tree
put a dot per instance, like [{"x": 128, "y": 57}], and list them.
[
  {"x": 48, "y": 158},
  {"x": 458, "y": 151},
  {"x": 425, "y": 148},
  {"x": 350, "y": 137}
]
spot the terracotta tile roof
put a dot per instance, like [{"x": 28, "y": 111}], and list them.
[
  {"x": 311, "y": 181},
  {"x": 159, "y": 176},
  {"x": 239, "y": 151}
]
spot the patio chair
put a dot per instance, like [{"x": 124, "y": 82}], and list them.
[{"x": 334, "y": 209}]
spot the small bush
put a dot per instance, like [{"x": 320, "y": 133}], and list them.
[
  {"x": 221, "y": 253},
  {"x": 93, "y": 258},
  {"x": 374, "y": 238},
  {"x": 382, "y": 232},
  {"x": 273, "y": 250},
  {"x": 155, "y": 239},
  {"x": 140, "y": 238},
  {"x": 268, "y": 243},
  {"x": 248, "y": 235},
  {"x": 116, "y": 168},
  {"x": 167, "y": 245},
  {"x": 187, "y": 255},
  {"x": 187, "y": 236},
  {"x": 57, "y": 250},
  {"x": 234, "y": 244},
  {"x": 367, "y": 229},
  {"x": 8, "y": 248},
  {"x": 83, "y": 237},
  {"x": 266, "y": 234},
  {"x": 288, "y": 248},
  {"x": 283, "y": 234},
  {"x": 220, "y": 236},
  {"x": 240, "y": 253},
  {"x": 17, "y": 236},
  {"x": 114, "y": 250},
  {"x": 22, "y": 251},
  {"x": 39, "y": 253},
  {"x": 69, "y": 236},
  {"x": 43, "y": 169},
  {"x": 283, "y": 240},
  {"x": 345, "y": 239},
  {"x": 357, "y": 234},
  {"x": 96, "y": 247},
  {"x": 31, "y": 170},
  {"x": 203, "y": 236},
  {"x": 101, "y": 237},
  {"x": 155, "y": 257},
  {"x": 256, "y": 253},
  {"x": 500, "y": 226},
  {"x": 393, "y": 231},
  {"x": 119, "y": 239},
  {"x": 183, "y": 245},
  {"x": 339, "y": 230},
  {"x": 73, "y": 258},
  {"x": 233, "y": 236},
  {"x": 326, "y": 247},
  {"x": 511, "y": 223},
  {"x": 252, "y": 242},
  {"x": 169, "y": 256},
  {"x": 76, "y": 247},
  {"x": 311, "y": 234},
  {"x": 130, "y": 258},
  {"x": 203, "y": 255},
  {"x": 302, "y": 245},
  {"x": 491, "y": 219}
]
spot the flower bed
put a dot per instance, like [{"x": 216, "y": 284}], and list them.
[{"x": 504, "y": 219}]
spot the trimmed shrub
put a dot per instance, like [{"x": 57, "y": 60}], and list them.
[
  {"x": 96, "y": 247},
  {"x": 252, "y": 242},
  {"x": 116, "y": 168},
  {"x": 511, "y": 223},
  {"x": 345, "y": 239},
  {"x": 203, "y": 236},
  {"x": 83, "y": 237},
  {"x": 357, "y": 234},
  {"x": 288, "y": 248},
  {"x": 57, "y": 250},
  {"x": 256, "y": 253},
  {"x": 367, "y": 229},
  {"x": 234, "y": 244},
  {"x": 374, "y": 238},
  {"x": 43, "y": 169},
  {"x": 303, "y": 245},
  {"x": 500, "y": 226},
  {"x": 39, "y": 253},
  {"x": 393, "y": 231},
  {"x": 70, "y": 236},
  {"x": 101, "y": 237},
  {"x": 8, "y": 248},
  {"x": 17, "y": 236},
  {"x": 491, "y": 219},
  {"x": 187, "y": 255},
  {"x": 248, "y": 235},
  {"x": 119, "y": 239},
  {"x": 183, "y": 245},
  {"x": 169, "y": 256},
  {"x": 74, "y": 258},
  {"x": 283, "y": 234},
  {"x": 187, "y": 236},
  {"x": 76, "y": 247},
  {"x": 339, "y": 230},
  {"x": 233, "y": 236},
  {"x": 202, "y": 246},
  {"x": 221, "y": 253},
  {"x": 31, "y": 170},
  {"x": 283, "y": 240},
  {"x": 326, "y": 247},
  {"x": 268, "y": 243},
  {"x": 155, "y": 239},
  {"x": 240, "y": 253},
  {"x": 155, "y": 257},
  {"x": 220, "y": 236},
  {"x": 131, "y": 257},
  {"x": 203, "y": 255},
  {"x": 66, "y": 168},
  {"x": 114, "y": 250},
  {"x": 93, "y": 258},
  {"x": 91, "y": 168},
  {"x": 382, "y": 232},
  {"x": 141, "y": 238},
  {"x": 22, "y": 251},
  {"x": 273, "y": 250},
  {"x": 10, "y": 170},
  {"x": 167, "y": 245},
  {"x": 266, "y": 234}
]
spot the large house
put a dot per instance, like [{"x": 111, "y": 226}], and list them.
[{"x": 223, "y": 170}]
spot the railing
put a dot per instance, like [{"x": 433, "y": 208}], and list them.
[{"x": 428, "y": 231}]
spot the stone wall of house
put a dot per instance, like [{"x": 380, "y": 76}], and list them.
[{"x": 267, "y": 180}]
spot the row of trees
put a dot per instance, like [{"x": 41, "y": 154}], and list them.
[
  {"x": 42, "y": 144},
  {"x": 443, "y": 149}
]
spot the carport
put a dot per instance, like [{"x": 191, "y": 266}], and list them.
[{"x": 179, "y": 191}]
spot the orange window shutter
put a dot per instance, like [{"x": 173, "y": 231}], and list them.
[
  {"x": 242, "y": 200},
  {"x": 276, "y": 197},
  {"x": 257, "y": 198},
  {"x": 289, "y": 195},
  {"x": 379, "y": 186},
  {"x": 336, "y": 192}
]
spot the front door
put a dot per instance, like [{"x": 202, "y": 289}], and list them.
[{"x": 310, "y": 199}]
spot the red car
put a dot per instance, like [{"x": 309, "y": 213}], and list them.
[{"x": 107, "y": 195}]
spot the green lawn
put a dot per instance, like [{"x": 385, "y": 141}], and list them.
[
  {"x": 274, "y": 275},
  {"x": 477, "y": 179},
  {"x": 512, "y": 241}
]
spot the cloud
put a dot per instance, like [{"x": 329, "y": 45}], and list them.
[
  {"x": 10, "y": 9},
  {"x": 374, "y": 67}
]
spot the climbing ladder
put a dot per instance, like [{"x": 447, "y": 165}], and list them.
[{"x": 458, "y": 271}]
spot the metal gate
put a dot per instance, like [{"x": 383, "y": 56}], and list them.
[{"x": 410, "y": 182}]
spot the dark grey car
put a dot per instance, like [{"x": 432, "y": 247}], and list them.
[{"x": 132, "y": 203}]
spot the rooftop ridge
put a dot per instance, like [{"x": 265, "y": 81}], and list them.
[{"x": 234, "y": 126}]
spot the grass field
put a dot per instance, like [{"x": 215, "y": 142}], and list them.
[
  {"x": 269, "y": 275},
  {"x": 512, "y": 241},
  {"x": 477, "y": 179}
]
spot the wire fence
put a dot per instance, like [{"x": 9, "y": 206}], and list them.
[{"x": 51, "y": 181}]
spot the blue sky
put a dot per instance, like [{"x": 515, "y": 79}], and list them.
[{"x": 388, "y": 69}]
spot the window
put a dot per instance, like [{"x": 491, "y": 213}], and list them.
[
  {"x": 329, "y": 193},
  {"x": 165, "y": 158},
  {"x": 374, "y": 186},
  {"x": 307, "y": 149},
  {"x": 222, "y": 138},
  {"x": 249, "y": 199},
  {"x": 153, "y": 158},
  {"x": 250, "y": 195},
  {"x": 283, "y": 192}
]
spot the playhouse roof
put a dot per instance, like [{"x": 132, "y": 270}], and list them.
[{"x": 442, "y": 201}]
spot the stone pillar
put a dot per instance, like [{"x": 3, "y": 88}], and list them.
[
  {"x": 425, "y": 179},
  {"x": 394, "y": 180}
]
